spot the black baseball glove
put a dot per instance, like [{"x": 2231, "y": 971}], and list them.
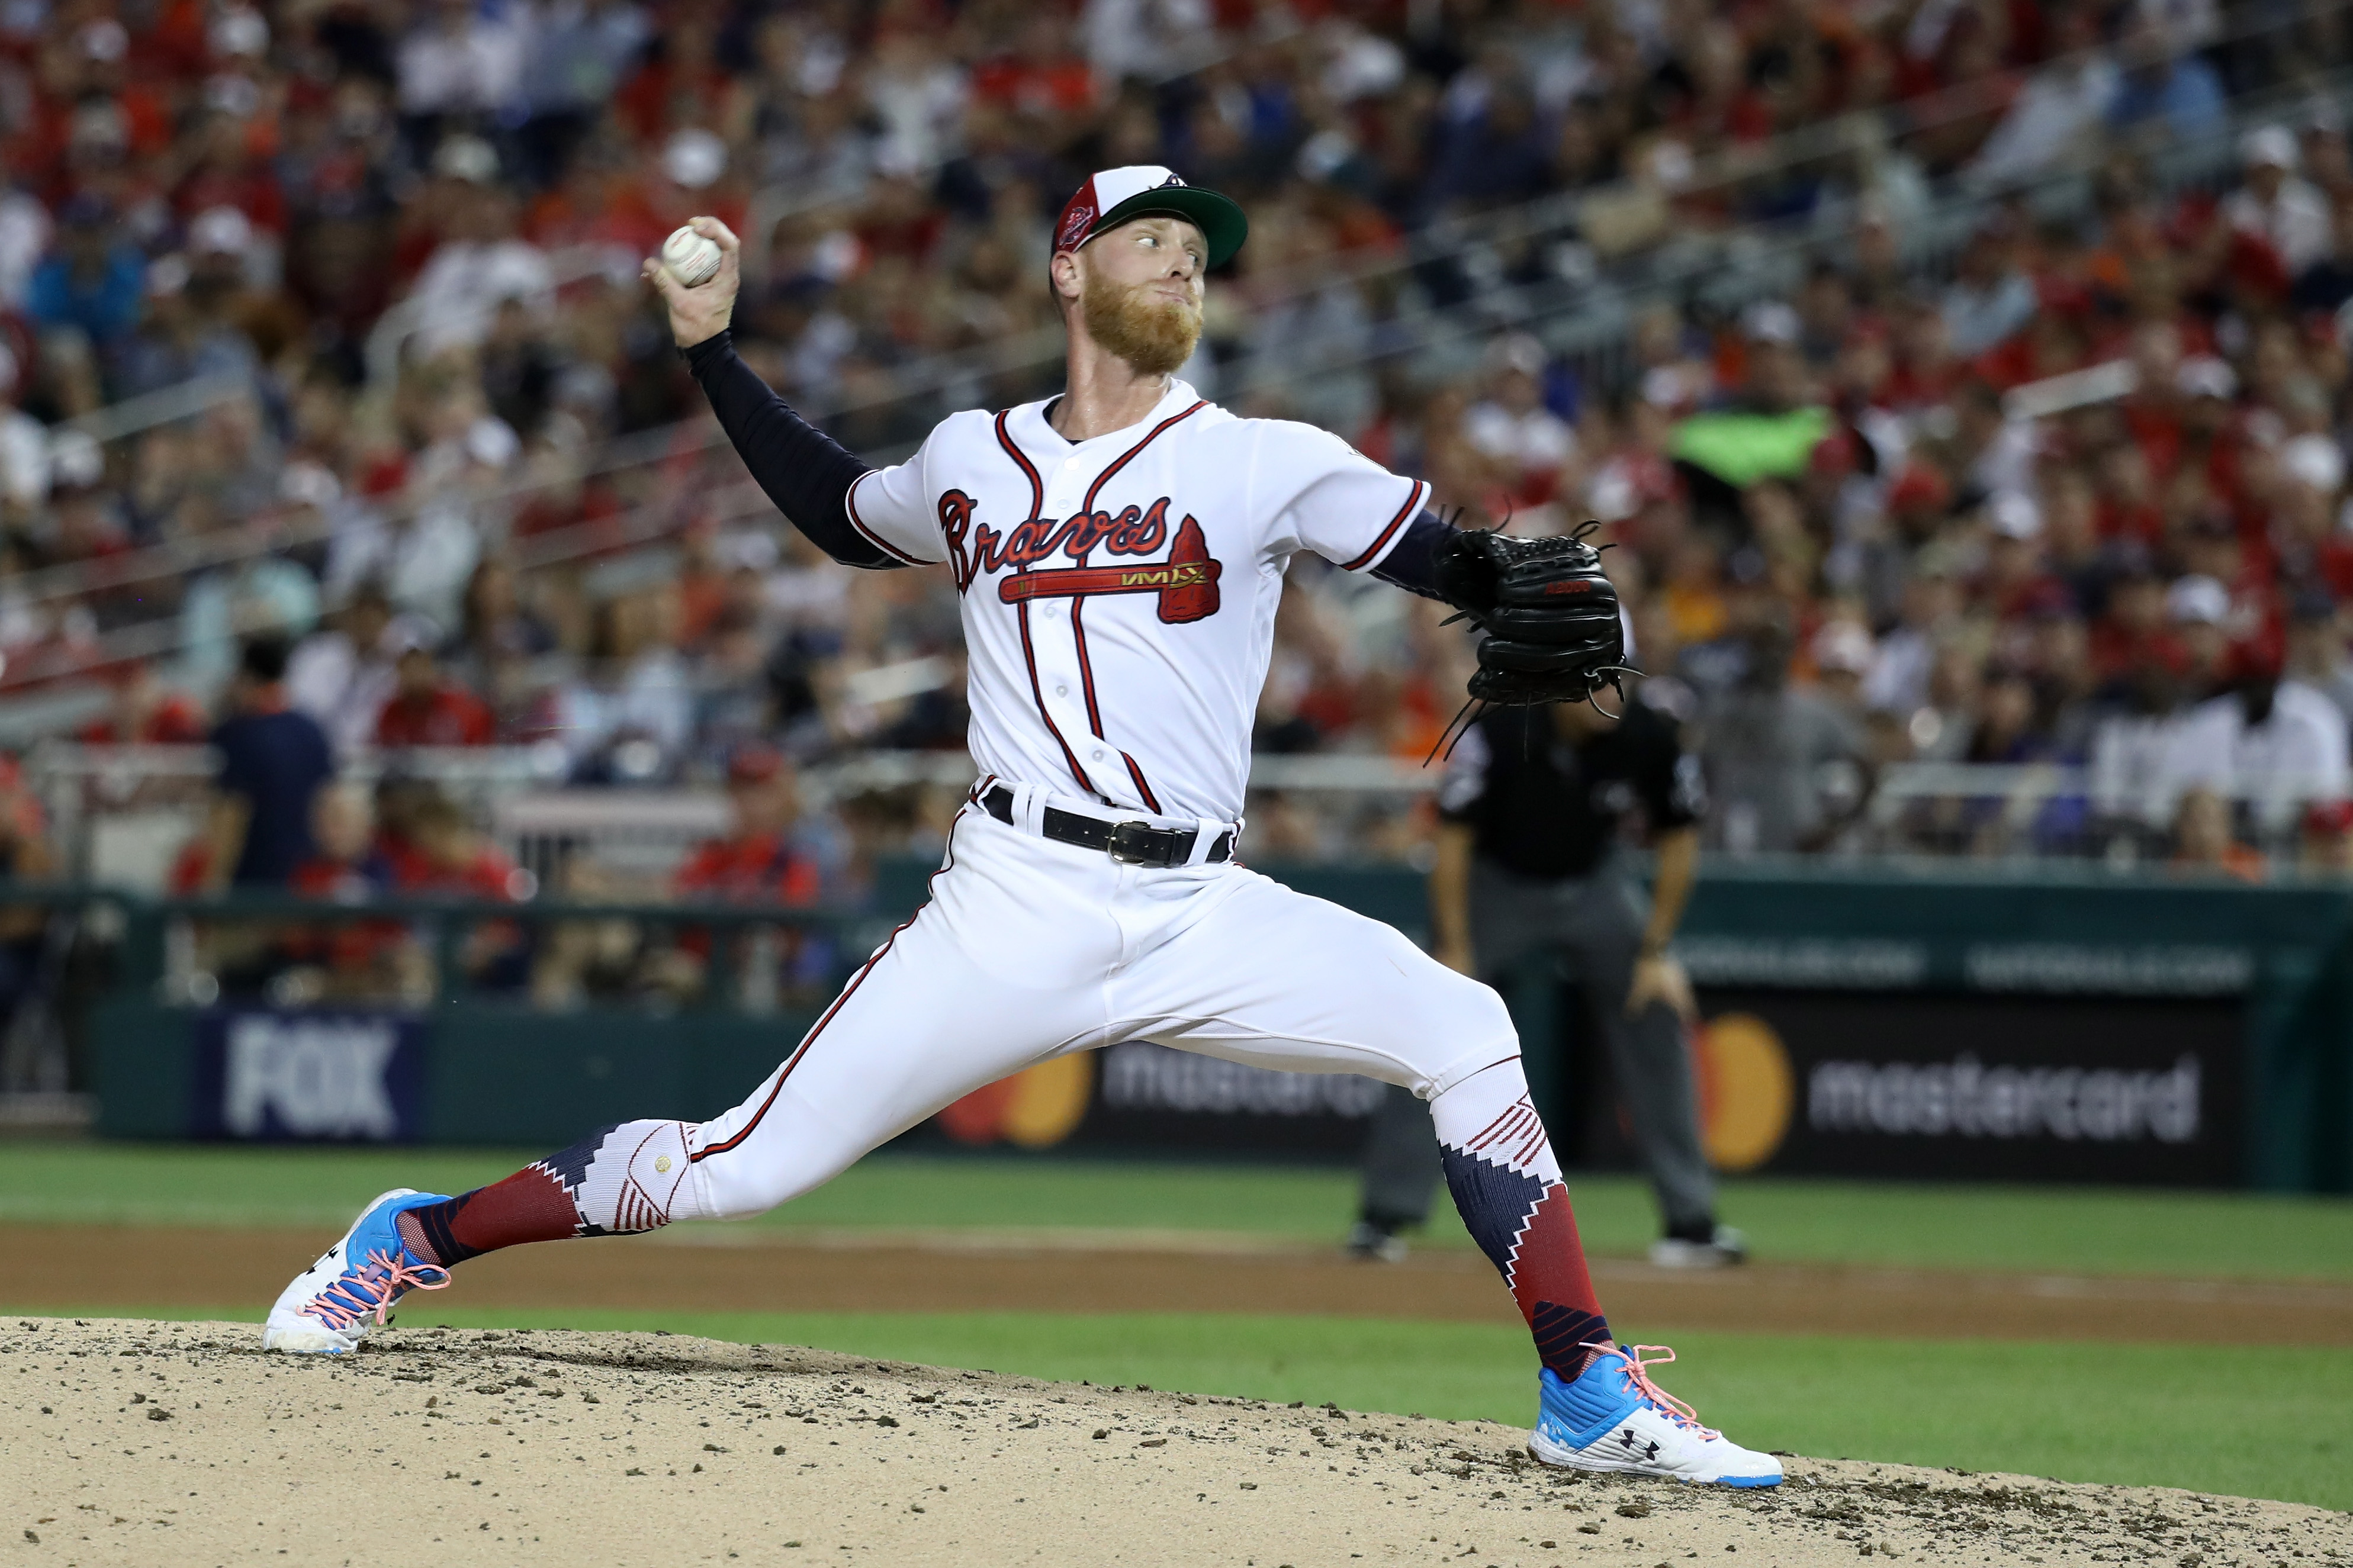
[{"x": 1550, "y": 617}]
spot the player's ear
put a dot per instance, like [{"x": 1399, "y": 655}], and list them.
[{"x": 1069, "y": 282}]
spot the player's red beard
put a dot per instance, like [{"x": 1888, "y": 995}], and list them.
[{"x": 1152, "y": 333}]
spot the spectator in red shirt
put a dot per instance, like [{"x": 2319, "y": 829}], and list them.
[
  {"x": 347, "y": 958},
  {"x": 400, "y": 798},
  {"x": 146, "y": 712},
  {"x": 758, "y": 863},
  {"x": 428, "y": 709},
  {"x": 454, "y": 861},
  {"x": 1039, "y": 78},
  {"x": 347, "y": 868}
]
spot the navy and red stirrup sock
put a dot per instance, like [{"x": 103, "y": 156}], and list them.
[
  {"x": 631, "y": 1176},
  {"x": 535, "y": 1203},
  {"x": 1500, "y": 1171}
]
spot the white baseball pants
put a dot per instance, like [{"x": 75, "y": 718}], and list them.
[{"x": 1030, "y": 948}]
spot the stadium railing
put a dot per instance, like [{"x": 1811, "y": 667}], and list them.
[{"x": 119, "y": 815}]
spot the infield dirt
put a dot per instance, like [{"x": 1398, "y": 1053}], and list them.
[
  {"x": 742, "y": 1269},
  {"x": 143, "y": 1443}
]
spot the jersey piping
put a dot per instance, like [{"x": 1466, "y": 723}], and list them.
[
  {"x": 1029, "y": 649},
  {"x": 696, "y": 1157},
  {"x": 850, "y": 505},
  {"x": 1412, "y": 504},
  {"x": 1079, "y": 603}
]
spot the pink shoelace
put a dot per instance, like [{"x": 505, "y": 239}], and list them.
[
  {"x": 1637, "y": 1371},
  {"x": 371, "y": 1288}
]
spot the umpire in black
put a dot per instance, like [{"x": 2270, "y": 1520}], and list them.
[{"x": 1536, "y": 808}]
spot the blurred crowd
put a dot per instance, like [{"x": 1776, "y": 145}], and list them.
[{"x": 1870, "y": 523}]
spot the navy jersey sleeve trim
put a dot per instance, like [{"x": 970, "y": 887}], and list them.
[
  {"x": 1412, "y": 565},
  {"x": 804, "y": 471},
  {"x": 1413, "y": 500}
]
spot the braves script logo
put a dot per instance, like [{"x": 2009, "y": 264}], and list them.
[{"x": 1187, "y": 581}]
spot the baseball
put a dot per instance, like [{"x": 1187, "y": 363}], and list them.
[{"x": 691, "y": 259}]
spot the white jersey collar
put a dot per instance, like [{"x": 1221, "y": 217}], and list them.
[{"x": 1028, "y": 422}]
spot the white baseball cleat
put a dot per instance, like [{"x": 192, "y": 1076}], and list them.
[
  {"x": 330, "y": 1306},
  {"x": 1613, "y": 1417}
]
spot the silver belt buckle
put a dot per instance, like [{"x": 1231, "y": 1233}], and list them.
[{"x": 1123, "y": 847}]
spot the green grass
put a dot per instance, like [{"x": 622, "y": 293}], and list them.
[
  {"x": 2269, "y": 1421},
  {"x": 2043, "y": 1229}
]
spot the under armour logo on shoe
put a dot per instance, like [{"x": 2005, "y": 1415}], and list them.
[{"x": 1627, "y": 1440}]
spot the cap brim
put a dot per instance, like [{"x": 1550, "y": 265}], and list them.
[{"x": 1218, "y": 219}]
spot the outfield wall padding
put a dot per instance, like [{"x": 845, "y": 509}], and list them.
[{"x": 1958, "y": 1023}]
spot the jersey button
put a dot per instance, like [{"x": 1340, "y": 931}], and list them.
[
  {"x": 1069, "y": 462},
  {"x": 1062, "y": 691},
  {"x": 1099, "y": 754}
]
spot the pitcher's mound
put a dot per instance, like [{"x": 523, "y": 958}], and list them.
[{"x": 139, "y": 1443}]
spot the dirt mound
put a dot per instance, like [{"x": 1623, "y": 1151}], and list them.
[
  {"x": 752, "y": 1268},
  {"x": 143, "y": 1443}
]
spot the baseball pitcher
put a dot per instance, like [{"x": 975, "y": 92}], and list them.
[{"x": 1119, "y": 552}]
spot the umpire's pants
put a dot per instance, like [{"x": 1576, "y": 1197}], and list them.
[{"x": 1592, "y": 927}]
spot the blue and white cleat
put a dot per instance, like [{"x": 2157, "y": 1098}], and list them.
[
  {"x": 333, "y": 1304},
  {"x": 1613, "y": 1417}
]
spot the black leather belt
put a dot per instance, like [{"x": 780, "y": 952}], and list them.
[{"x": 1129, "y": 843}]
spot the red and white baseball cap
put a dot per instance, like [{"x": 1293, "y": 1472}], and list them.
[{"x": 1114, "y": 195}]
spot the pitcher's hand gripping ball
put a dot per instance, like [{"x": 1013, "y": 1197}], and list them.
[
  {"x": 1550, "y": 617},
  {"x": 691, "y": 259}
]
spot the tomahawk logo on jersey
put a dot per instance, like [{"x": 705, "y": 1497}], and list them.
[
  {"x": 1075, "y": 559},
  {"x": 1187, "y": 582}
]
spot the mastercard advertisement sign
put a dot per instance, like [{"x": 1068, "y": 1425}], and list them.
[
  {"x": 1971, "y": 1086},
  {"x": 1142, "y": 1099},
  {"x": 1914, "y": 1086},
  {"x": 1746, "y": 1090},
  {"x": 1034, "y": 1109}
]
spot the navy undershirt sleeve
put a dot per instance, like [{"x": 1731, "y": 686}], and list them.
[
  {"x": 804, "y": 470},
  {"x": 1412, "y": 562}
]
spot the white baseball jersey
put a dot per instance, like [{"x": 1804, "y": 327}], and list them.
[{"x": 1119, "y": 593}]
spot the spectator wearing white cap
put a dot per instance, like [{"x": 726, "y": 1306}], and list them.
[
  {"x": 482, "y": 262},
  {"x": 1512, "y": 425},
  {"x": 1775, "y": 381},
  {"x": 2198, "y": 608},
  {"x": 2275, "y": 205},
  {"x": 1843, "y": 652}
]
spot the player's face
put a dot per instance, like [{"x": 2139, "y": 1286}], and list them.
[
  {"x": 1166, "y": 255},
  {"x": 1141, "y": 291}
]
